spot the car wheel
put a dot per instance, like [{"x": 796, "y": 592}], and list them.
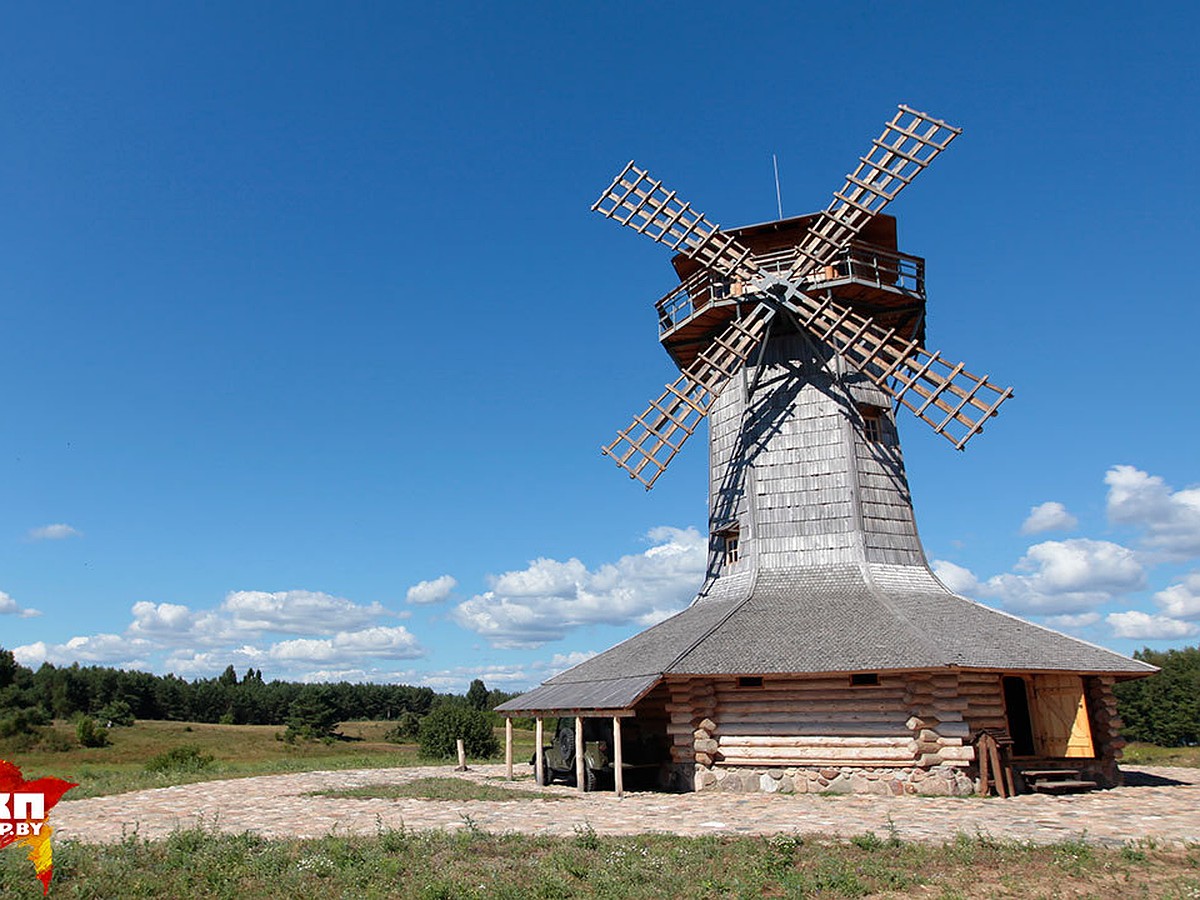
[
  {"x": 547, "y": 775},
  {"x": 589, "y": 777}
]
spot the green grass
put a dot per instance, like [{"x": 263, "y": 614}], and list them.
[
  {"x": 237, "y": 751},
  {"x": 1153, "y": 755},
  {"x": 473, "y": 863},
  {"x": 435, "y": 789}
]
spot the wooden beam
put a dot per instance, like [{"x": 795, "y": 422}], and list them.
[
  {"x": 618, "y": 779},
  {"x": 538, "y": 763},
  {"x": 579, "y": 752},
  {"x": 508, "y": 748}
]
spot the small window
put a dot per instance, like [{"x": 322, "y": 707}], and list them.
[
  {"x": 864, "y": 679},
  {"x": 872, "y": 417},
  {"x": 729, "y": 545},
  {"x": 750, "y": 681}
]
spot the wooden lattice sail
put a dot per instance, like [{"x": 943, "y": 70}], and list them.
[{"x": 955, "y": 403}]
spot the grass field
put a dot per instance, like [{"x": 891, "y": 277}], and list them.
[
  {"x": 1153, "y": 755},
  {"x": 237, "y": 750},
  {"x": 476, "y": 864},
  {"x": 456, "y": 789}
]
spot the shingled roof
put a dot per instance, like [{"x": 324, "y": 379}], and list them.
[{"x": 815, "y": 620}]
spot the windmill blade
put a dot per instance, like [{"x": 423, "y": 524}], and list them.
[
  {"x": 642, "y": 203},
  {"x": 908, "y": 144},
  {"x": 648, "y": 445},
  {"x": 945, "y": 395}
]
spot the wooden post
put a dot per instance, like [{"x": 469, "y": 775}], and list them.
[
  {"x": 618, "y": 779},
  {"x": 508, "y": 747},
  {"x": 579, "y": 752},
  {"x": 462, "y": 756},
  {"x": 539, "y": 772}
]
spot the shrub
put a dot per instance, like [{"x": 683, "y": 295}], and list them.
[
  {"x": 91, "y": 734},
  {"x": 441, "y": 728},
  {"x": 407, "y": 728},
  {"x": 184, "y": 758},
  {"x": 22, "y": 721},
  {"x": 118, "y": 712}
]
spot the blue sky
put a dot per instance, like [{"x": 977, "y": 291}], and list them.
[{"x": 310, "y": 339}]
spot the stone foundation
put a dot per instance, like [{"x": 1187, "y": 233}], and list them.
[{"x": 893, "y": 781}]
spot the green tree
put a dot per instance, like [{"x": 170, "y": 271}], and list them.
[
  {"x": 447, "y": 723},
  {"x": 312, "y": 715},
  {"x": 477, "y": 695},
  {"x": 1163, "y": 709}
]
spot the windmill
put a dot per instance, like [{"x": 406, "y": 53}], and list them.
[
  {"x": 821, "y": 645},
  {"x": 714, "y": 321}
]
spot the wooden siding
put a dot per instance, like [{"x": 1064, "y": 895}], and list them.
[{"x": 790, "y": 464}]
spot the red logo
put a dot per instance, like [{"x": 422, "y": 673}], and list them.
[{"x": 25, "y": 816}]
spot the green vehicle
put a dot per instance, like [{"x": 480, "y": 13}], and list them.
[{"x": 558, "y": 759}]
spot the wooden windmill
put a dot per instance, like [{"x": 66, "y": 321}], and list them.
[{"x": 821, "y": 642}]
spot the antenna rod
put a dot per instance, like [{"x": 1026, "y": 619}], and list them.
[{"x": 778, "y": 199}]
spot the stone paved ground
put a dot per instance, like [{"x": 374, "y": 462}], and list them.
[{"x": 1158, "y": 803}]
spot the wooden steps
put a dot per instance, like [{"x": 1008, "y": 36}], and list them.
[{"x": 1056, "y": 781}]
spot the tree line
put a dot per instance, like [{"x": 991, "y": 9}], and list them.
[
  {"x": 1163, "y": 709},
  {"x": 67, "y": 691}
]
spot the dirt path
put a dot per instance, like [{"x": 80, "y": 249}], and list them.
[{"x": 1158, "y": 803}]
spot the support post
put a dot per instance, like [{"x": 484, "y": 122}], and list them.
[
  {"x": 462, "y": 756},
  {"x": 539, "y": 771},
  {"x": 508, "y": 747},
  {"x": 618, "y": 779},
  {"x": 579, "y": 752}
]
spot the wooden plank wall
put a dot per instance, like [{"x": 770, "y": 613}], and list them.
[{"x": 909, "y": 719}]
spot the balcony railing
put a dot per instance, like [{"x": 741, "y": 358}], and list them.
[{"x": 860, "y": 263}]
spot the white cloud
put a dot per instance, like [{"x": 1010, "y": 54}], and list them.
[
  {"x": 458, "y": 679},
  {"x": 1072, "y": 622},
  {"x": 343, "y": 652},
  {"x": 560, "y": 662},
  {"x": 98, "y": 649},
  {"x": 548, "y": 598},
  {"x": 1067, "y": 577},
  {"x": 296, "y": 612},
  {"x": 955, "y": 577},
  {"x": 1181, "y": 601},
  {"x": 57, "y": 532},
  {"x": 10, "y": 607},
  {"x": 433, "y": 591},
  {"x": 1049, "y": 516},
  {"x": 1171, "y": 519},
  {"x": 1136, "y": 624}
]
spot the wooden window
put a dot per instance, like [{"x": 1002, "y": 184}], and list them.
[
  {"x": 864, "y": 679},
  {"x": 750, "y": 681},
  {"x": 872, "y": 417},
  {"x": 731, "y": 547}
]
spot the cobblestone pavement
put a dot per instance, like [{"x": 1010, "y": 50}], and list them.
[{"x": 1158, "y": 803}]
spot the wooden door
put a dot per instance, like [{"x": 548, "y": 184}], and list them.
[{"x": 1060, "y": 717}]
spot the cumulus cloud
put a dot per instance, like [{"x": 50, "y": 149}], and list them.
[
  {"x": 434, "y": 591},
  {"x": 548, "y": 598},
  {"x": 506, "y": 677},
  {"x": 955, "y": 577},
  {"x": 1070, "y": 622},
  {"x": 1171, "y": 519},
  {"x": 560, "y": 662},
  {"x": 1140, "y": 625},
  {"x": 1181, "y": 601},
  {"x": 344, "y": 651},
  {"x": 1067, "y": 577},
  {"x": 10, "y": 607},
  {"x": 296, "y": 612},
  {"x": 1049, "y": 516},
  {"x": 98, "y": 649},
  {"x": 57, "y": 532}
]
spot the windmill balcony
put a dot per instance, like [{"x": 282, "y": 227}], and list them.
[{"x": 862, "y": 272}]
